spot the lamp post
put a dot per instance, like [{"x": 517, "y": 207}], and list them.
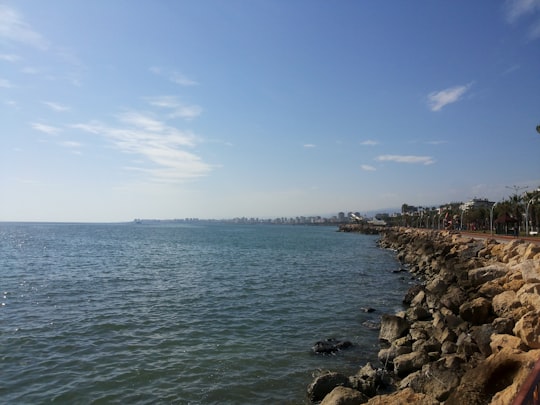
[
  {"x": 491, "y": 218},
  {"x": 527, "y": 208}
]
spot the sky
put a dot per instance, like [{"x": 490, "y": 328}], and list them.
[{"x": 115, "y": 110}]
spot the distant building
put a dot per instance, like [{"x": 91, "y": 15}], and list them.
[{"x": 477, "y": 203}]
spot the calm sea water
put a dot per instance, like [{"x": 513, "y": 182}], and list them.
[{"x": 209, "y": 314}]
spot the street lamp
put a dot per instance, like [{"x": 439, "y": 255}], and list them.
[
  {"x": 529, "y": 203},
  {"x": 491, "y": 218}
]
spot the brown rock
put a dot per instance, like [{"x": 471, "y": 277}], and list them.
[
  {"x": 528, "y": 329},
  {"x": 477, "y": 311},
  {"x": 404, "y": 397},
  {"x": 482, "y": 275},
  {"x": 530, "y": 269},
  {"x": 435, "y": 380},
  {"x": 504, "y": 303},
  {"x": 453, "y": 298},
  {"x": 392, "y": 328},
  {"x": 501, "y": 341},
  {"x": 410, "y": 362},
  {"x": 344, "y": 396},
  {"x": 495, "y": 380},
  {"x": 324, "y": 384}
]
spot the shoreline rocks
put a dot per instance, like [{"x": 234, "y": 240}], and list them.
[{"x": 471, "y": 332}]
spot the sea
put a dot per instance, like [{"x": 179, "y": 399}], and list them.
[{"x": 175, "y": 313}]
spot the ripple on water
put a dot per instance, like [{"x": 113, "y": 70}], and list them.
[{"x": 172, "y": 314}]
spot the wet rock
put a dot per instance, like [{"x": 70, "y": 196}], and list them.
[
  {"x": 392, "y": 328},
  {"x": 366, "y": 380},
  {"x": 330, "y": 346},
  {"x": 324, "y": 384},
  {"x": 344, "y": 396},
  {"x": 370, "y": 324}
]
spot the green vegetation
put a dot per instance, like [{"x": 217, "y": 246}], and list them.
[{"x": 519, "y": 214}]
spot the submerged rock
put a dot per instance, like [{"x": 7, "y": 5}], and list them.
[{"x": 330, "y": 346}]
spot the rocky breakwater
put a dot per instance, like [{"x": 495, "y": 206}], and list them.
[{"x": 470, "y": 333}]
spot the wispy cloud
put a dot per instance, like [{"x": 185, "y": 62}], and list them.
[
  {"x": 369, "y": 142},
  {"x": 6, "y": 84},
  {"x": 163, "y": 146},
  {"x": 48, "y": 129},
  {"x": 13, "y": 28},
  {"x": 181, "y": 79},
  {"x": 71, "y": 144},
  {"x": 174, "y": 76},
  {"x": 516, "y": 9},
  {"x": 534, "y": 31},
  {"x": 309, "y": 145},
  {"x": 425, "y": 160},
  {"x": 177, "y": 109},
  {"x": 56, "y": 106},
  {"x": 438, "y": 99},
  {"x": 368, "y": 168},
  {"x": 9, "y": 57}
]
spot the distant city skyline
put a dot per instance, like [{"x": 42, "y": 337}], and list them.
[{"x": 120, "y": 110}]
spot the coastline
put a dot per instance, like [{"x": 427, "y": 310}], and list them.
[{"x": 470, "y": 333}]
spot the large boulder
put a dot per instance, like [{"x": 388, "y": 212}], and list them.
[
  {"x": 482, "y": 275},
  {"x": 495, "y": 380},
  {"x": 366, "y": 380},
  {"x": 477, "y": 311},
  {"x": 329, "y": 346},
  {"x": 530, "y": 269},
  {"x": 504, "y": 303},
  {"x": 392, "y": 327},
  {"x": 528, "y": 329},
  {"x": 435, "y": 380},
  {"x": 410, "y": 362},
  {"x": 404, "y": 397},
  {"x": 324, "y": 384},
  {"x": 344, "y": 396}
]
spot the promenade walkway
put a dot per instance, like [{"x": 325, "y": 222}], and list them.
[{"x": 500, "y": 238}]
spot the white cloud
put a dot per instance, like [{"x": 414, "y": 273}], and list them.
[
  {"x": 425, "y": 160},
  {"x": 159, "y": 144},
  {"x": 48, "y": 129},
  {"x": 9, "y": 57},
  {"x": 309, "y": 145},
  {"x": 534, "y": 31},
  {"x": 369, "y": 142},
  {"x": 56, "y": 106},
  {"x": 518, "y": 8},
  {"x": 174, "y": 76},
  {"x": 368, "y": 168},
  {"x": 178, "y": 109},
  {"x": 6, "y": 84},
  {"x": 438, "y": 99},
  {"x": 182, "y": 80},
  {"x": 15, "y": 29}
]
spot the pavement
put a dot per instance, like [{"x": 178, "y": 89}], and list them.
[{"x": 500, "y": 238}]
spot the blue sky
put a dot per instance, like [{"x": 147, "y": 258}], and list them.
[{"x": 114, "y": 110}]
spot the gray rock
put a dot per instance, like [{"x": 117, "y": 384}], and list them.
[{"x": 324, "y": 384}]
